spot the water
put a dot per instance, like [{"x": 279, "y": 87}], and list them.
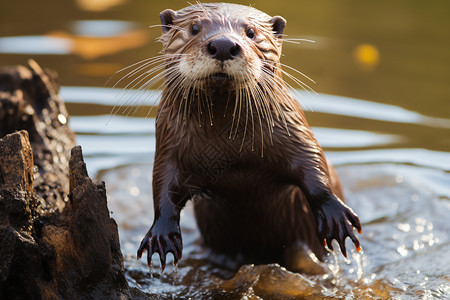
[
  {"x": 402, "y": 195},
  {"x": 387, "y": 133}
]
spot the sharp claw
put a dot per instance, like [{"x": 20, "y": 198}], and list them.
[
  {"x": 357, "y": 224},
  {"x": 161, "y": 243},
  {"x": 356, "y": 242},
  {"x": 359, "y": 227},
  {"x": 343, "y": 249},
  {"x": 175, "y": 258},
  {"x": 330, "y": 245},
  {"x": 354, "y": 220},
  {"x": 342, "y": 232},
  {"x": 162, "y": 258},
  {"x": 149, "y": 258},
  {"x": 179, "y": 247},
  {"x": 337, "y": 222},
  {"x": 142, "y": 247}
]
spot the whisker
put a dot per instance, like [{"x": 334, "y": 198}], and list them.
[
  {"x": 237, "y": 97},
  {"x": 245, "y": 127},
  {"x": 148, "y": 62},
  {"x": 277, "y": 87},
  {"x": 168, "y": 25},
  {"x": 297, "y": 71},
  {"x": 141, "y": 91},
  {"x": 297, "y": 41},
  {"x": 162, "y": 61},
  {"x": 139, "y": 62}
]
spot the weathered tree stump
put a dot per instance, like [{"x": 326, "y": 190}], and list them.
[
  {"x": 29, "y": 100},
  {"x": 57, "y": 240}
]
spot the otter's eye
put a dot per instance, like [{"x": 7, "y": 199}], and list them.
[
  {"x": 195, "y": 30},
  {"x": 251, "y": 33}
]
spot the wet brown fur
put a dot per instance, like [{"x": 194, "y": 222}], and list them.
[{"x": 241, "y": 149}]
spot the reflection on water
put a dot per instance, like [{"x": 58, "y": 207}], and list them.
[
  {"x": 35, "y": 45},
  {"x": 101, "y": 28},
  {"x": 393, "y": 52},
  {"x": 405, "y": 241},
  {"x": 89, "y": 40},
  {"x": 401, "y": 194},
  {"x": 98, "y": 5}
]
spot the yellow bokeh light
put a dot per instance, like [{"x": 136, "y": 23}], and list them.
[{"x": 367, "y": 56}]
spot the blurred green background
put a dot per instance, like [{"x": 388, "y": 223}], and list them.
[{"x": 395, "y": 52}]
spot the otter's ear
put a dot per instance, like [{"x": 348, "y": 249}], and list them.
[
  {"x": 167, "y": 17},
  {"x": 278, "y": 24}
]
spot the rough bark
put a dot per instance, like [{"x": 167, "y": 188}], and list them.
[
  {"x": 29, "y": 100},
  {"x": 57, "y": 240}
]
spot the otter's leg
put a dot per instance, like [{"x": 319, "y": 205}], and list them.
[
  {"x": 335, "y": 183},
  {"x": 169, "y": 198},
  {"x": 335, "y": 220}
]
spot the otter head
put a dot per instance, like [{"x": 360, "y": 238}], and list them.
[{"x": 227, "y": 46}]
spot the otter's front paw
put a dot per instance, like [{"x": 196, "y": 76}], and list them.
[
  {"x": 162, "y": 242},
  {"x": 336, "y": 221}
]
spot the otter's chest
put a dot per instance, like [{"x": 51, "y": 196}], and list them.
[{"x": 215, "y": 153}]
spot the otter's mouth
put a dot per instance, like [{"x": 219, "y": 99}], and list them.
[{"x": 220, "y": 76}]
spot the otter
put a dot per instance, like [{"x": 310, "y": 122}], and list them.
[{"x": 231, "y": 137}]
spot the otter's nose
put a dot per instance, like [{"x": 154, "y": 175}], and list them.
[{"x": 223, "y": 48}]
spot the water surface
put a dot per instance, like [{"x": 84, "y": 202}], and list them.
[{"x": 400, "y": 190}]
